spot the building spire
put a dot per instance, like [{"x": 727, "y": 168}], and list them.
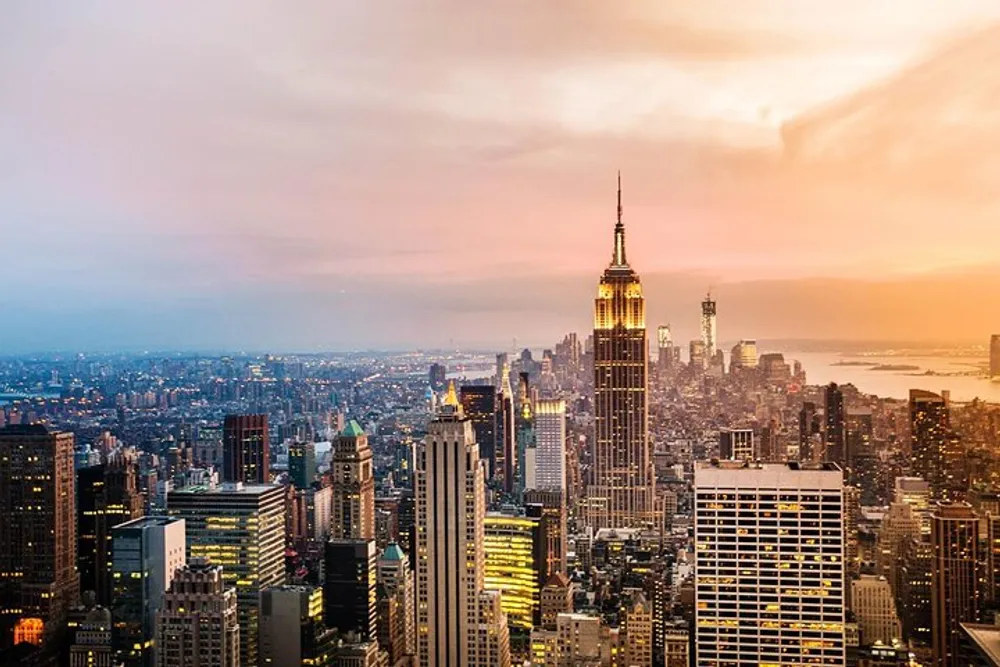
[{"x": 619, "y": 256}]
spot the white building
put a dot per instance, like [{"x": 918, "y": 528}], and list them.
[
  {"x": 550, "y": 450},
  {"x": 458, "y": 622},
  {"x": 769, "y": 557}
]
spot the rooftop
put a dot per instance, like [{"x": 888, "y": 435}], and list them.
[
  {"x": 986, "y": 638},
  {"x": 352, "y": 430}
]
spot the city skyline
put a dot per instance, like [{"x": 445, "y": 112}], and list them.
[{"x": 273, "y": 173}]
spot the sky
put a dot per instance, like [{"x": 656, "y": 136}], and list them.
[{"x": 242, "y": 174}]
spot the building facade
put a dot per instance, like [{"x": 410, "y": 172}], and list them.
[
  {"x": 550, "y": 448},
  {"x": 350, "y": 603},
  {"x": 353, "y": 485},
  {"x": 246, "y": 449},
  {"x": 197, "y": 626},
  {"x": 621, "y": 493}
]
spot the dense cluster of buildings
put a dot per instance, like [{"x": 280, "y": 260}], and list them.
[{"x": 591, "y": 507}]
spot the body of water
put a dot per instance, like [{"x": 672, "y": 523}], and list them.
[{"x": 825, "y": 367}]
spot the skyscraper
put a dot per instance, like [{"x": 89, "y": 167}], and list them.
[
  {"x": 246, "y": 449},
  {"x": 145, "y": 554},
  {"x": 936, "y": 453},
  {"x": 38, "y": 548},
  {"x": 875, "y": 608},
  {"x": 397, "y": 631},
  {"x": 479, "y": 401},
  {"x": 437, "y": 376},
  {"x": 835, "y": 434},
  {"x": 349, "y": 600},
  {"x": 957, "y": 587},
  {"x": 769, "y": 559},
  {"x": 995, "y": 356},
  {"x": 515, "y": 566},
  {"x": 549, "y": 507},
  {"x": 353, "y": 485},
  {"x": 550, "y": 448},
  {"x": 292, "y": 631},
  {"x": 242, "y": 528},
  {"x": 621, "y": 494},
  {"x": 458, "y": 621},
  {"x": 108, "y": 495},
  {"x": 525, "y": 425},
  {"x": 302, "y": 464},
  {"x": 197, "y": 626},
  {"x": 505, "y": 464},
  {"x": 708, "y": 332}
]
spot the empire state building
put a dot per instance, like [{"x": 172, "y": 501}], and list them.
[{"x": 621, "y": 493}]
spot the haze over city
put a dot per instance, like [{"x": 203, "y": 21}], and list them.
[{"x": 235, "y": 175}]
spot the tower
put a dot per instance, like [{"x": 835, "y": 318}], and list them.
[
  {"x": 708, "y": 333},
  {"x": 504, "y": 463},
  {"x": 836, "y": 426},
  {"x": 246, "y": 449},
  {"x": 479, "y": 402},
  {"x": 621, "y": 494},
  {"x": 38, "y": 577},
  {"x": 242, "y": 528},
  {"x": 397, "y": 627},
  {"x": 458, "y": 621},
  {"x": 302, "y": 464},
  {"x": 957, "y": 587},
  {"x": 291, "y": 626},
  {"x": 353, "y": 485},
  {"x": 777, "y": 571},
  {"x": 349, "y": 603},
  {"x": 550, "y": 437}
]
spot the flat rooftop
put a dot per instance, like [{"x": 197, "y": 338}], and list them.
[{"x": 734, "y": 474}]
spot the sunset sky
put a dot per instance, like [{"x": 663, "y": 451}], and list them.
[{"x": 330, "y": 175}]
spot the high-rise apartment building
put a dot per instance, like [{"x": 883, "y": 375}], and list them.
[
  {"x": 246, "y": 449},
  {"x": 479, "y": 401},
  {"x": 995, "y": 356},
  {"x": 835, "y": 431},
  {"x": 874, "y": 607},
  {"x": 769, "y": 557},
  {"x": 197, "y": 625},
  {"x": 302, "y": 464},
  {"x": 957, "y": 586},
  {"x": 621, "y": 494},
  {"x": 292, "y": 631},
  {"x": 397, "y": 633},
  {"x": 459, "y": 623},
  {"x": 353, "y": 475},
  {"x": 515, "y": 563},
  {"x": 550, "y": 448},
  {"x": 350, "y": 575},
  {"x": 709, "y": 335},
  {"x": 38, "y": 542},
  {"x": 107, "y": 495},
  {"x": 936, "y": 453},
  {"x": 242, "y": 528}
]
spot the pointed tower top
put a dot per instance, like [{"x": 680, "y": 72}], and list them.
[
  {"x": 451, "y": 398},
  {"x": 619, "y": 256}
]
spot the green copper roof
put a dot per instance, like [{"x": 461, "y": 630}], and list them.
[
  {"x": 353, "y": 430},
  {"x": 392, "y": 552}
]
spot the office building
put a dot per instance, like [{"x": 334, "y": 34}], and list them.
[
  {"x": 556, "y": 598},
  {"x": 302, "y": 464},
  {"x": 709, "y": 336},
  {"x": 525, "y": 433},
  {"x": 504, "y": 456},
  {"x": 743, "y": 356},
  {"x": 437, "y": 376},
  {"x": 874, "y": 607},
  {"x": 835, "y": 431},
  {"x": 38, "y": 548},
  {"x": 350, "y": 604},
  {"x": 292, "y": 631},
  {"x": 550, "y": 453},
  {"x": 936, "y": 453},
  {"x": 696, "y": 355},
  {"x": 676, "y": 647},
  {"x": 458, "y": 621},
  {"x": 957, "y": 586},
  {"x": 979, "y": 644},
  {"x": 353, "y": 485},
  {"x": 995, "y": 356},
  {"x": 397, "y": 632},
  {"x": 479, "y": 402},
  {"x": 242, "y": 528},
  {"x": 197, "y": 625},
  {"x": 769, "y": 558},
  {"x": 107, "y": 494},
  {"x": 737, "y": 444},
  {"x": 515, "y": 566},
  {"x": 636, "y": 631},
  {"x": 246, "y": 449},
  {"x": 145, "y": 554},
  {"x": 809, "y": 426},
  {"x": 622, "y": 491},
  {"x": 549, "y": 508},
  {"x": 92, "y": 641}
]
